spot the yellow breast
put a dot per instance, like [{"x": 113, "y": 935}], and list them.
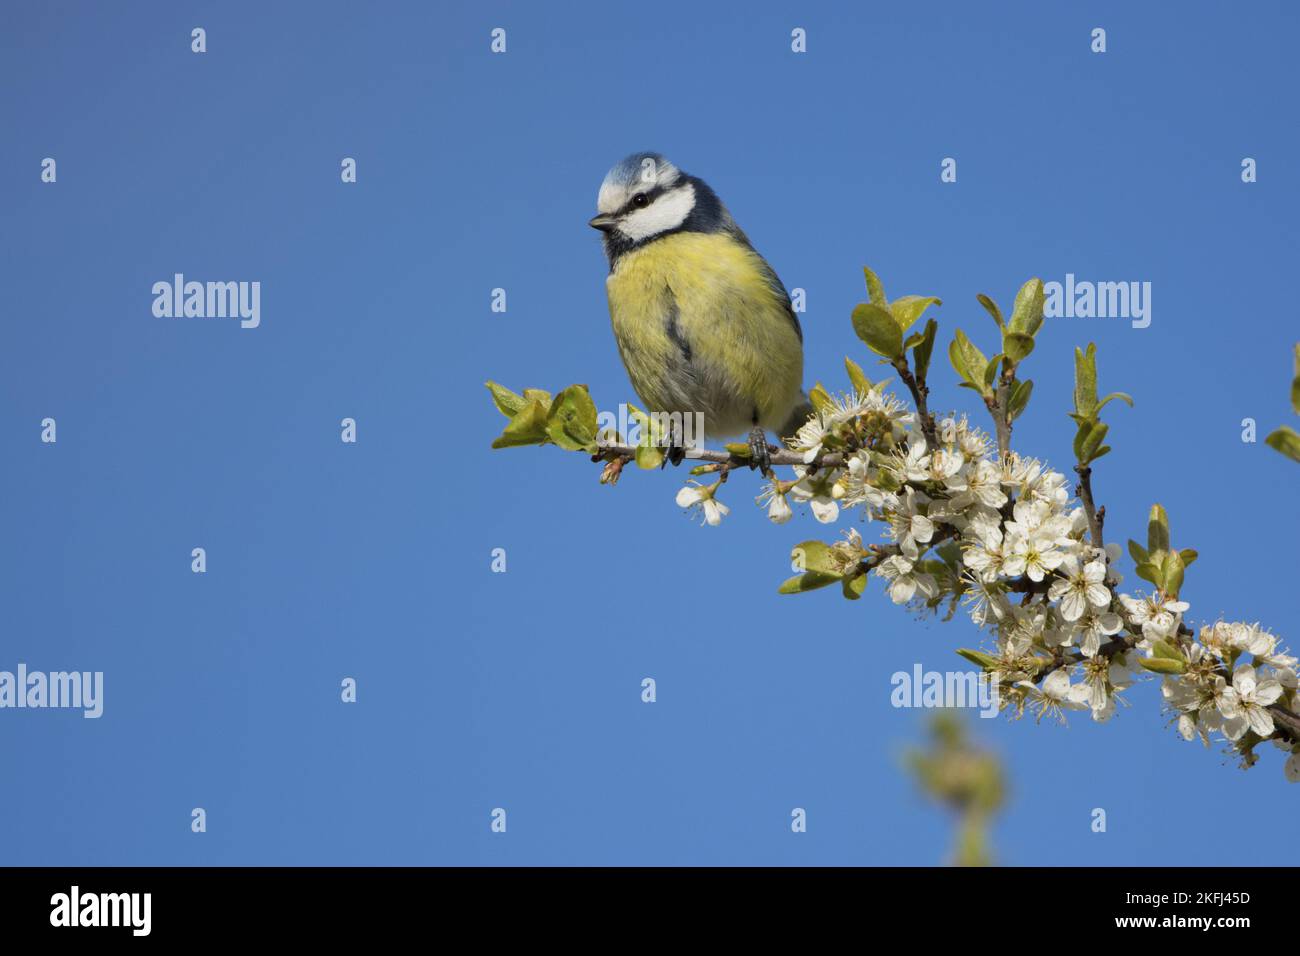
[{"x": 709, "y": 293}]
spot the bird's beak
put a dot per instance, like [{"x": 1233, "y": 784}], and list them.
[{"x": 603, "y": 223}]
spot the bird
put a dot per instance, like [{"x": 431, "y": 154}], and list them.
[{"x": 702, "y": 322}]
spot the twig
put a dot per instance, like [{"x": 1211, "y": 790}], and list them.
[
  {"x": 1002, "y": 411},
  {"x": 1084, "y": 491},
  {"x": 1289, "y": 721},
  {"x": 919, "y": 392}
]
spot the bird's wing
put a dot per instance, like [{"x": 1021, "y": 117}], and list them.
[{"x": 773, "y": 280}]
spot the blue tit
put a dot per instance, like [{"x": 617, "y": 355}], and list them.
[{"x": 702, "y": 322}]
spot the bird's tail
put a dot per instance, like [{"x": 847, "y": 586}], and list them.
[{"x": 801, "y": 413}]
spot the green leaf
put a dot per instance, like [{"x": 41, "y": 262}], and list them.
[
  {"x": 991, "y": 371},
  {"x": 649, "y": 430},
  {"x": 538, "y": 395},
  {"x": 968, "y": 361},
  {"x": 855, "y": 586},
  {"x": 992, "y": 308},
  {"x": 571, "y": 423},
  {"x": 1188, "y": 555},
  {"x": 1114, "y": 395},
  {"x": 978, "y": 658},
  {"x": 875, "y": 290},
  {"x": 1286, "y": 441},
  {"x": 1091, "y": 444},
  {"x": 1171, "y": 573},
  {"x": 958, "y": 360},
  {"x": 1137, "y": 552},
  {"x": 809, "y": 581},
  {"x": 1162, "y": 665},
  {"x": 924, "y": 348},
  {"x": 907, "y": 309},
  {"x": 528, "y": 427},
  {"x": 1020, "y": 393},
  {"x": 1017, "y": 345},
  {"x": 649, "y": 452},
  {"x": 1167, "y": 651},
  {"x": 876, "y": 326},
  {"x": 649, "y": 457},
  {"x": 820, "y": 398},
  {"x": 1149, "y": 571},
  {"x": 1085, "y": 381},
  {"x": 1157, "y": 529},
  {"x": 1080, "y": 437},
  {"x": 507, "y": 402},
  {"x": 1027, "y": 314},
  {"x": 813, "y": 556},
  {"x": 861, "y": 384}
]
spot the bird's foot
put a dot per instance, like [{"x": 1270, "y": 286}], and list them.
[
  {"x": 760, "y": 452},
  {"x": 675, "y": 449}
]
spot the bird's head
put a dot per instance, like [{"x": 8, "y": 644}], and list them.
[{"x": 646, "y": 196}]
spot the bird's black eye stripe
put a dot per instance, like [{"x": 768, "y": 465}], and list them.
[{"x": 641, "y": 200}]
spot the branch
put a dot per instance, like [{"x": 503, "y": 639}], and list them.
[
  {"x": 920, "y": 507},
  {"x": 610, "y": 450}
]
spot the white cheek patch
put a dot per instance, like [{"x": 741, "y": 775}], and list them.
[{"x": 667, "y": 212}]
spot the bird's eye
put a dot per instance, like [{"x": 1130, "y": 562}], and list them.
[{"x": 640, "y": 200}]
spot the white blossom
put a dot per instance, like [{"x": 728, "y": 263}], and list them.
[
  {"x": 908, "y": 526},
  {"x": 904, "y": 581},
  {"x": 1159, "y": 619},
  {"x": 810, "y": 436},
  {"x": 1056, "y": 694},
  {"x": 702, "y": 496},
  {"x": 1080, "y": 588},
  {"x": 817, "y": 491},
  {"x": 778, "y": 509},
  {"x": 1244, "y": 704}
]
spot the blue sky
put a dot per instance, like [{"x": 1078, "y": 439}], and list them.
[{"x": 372, "y": 560}]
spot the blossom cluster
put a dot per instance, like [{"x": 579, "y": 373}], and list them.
[{"x": 963, "y": 524}]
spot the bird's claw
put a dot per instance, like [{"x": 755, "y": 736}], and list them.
[
  {"x": 674, "y": 449},
  {"x": 760, "y": 452}
]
